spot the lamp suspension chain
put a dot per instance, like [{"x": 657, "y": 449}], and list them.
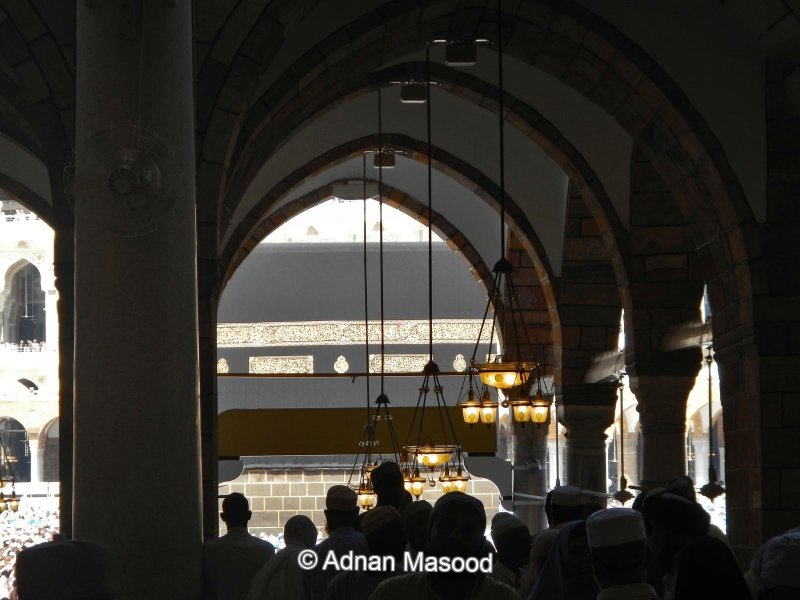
[
  {"x": 501, "y": 120},
  {"x": 430, "y": 201},
  {"x": 380, "y": 232},
  {"x": 621, "y": 433},
  {"x": 366, "y": 295},
  {"x": 712, "y": 489},
  {"x": 712, "y": 474}
]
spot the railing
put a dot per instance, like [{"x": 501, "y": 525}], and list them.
[{"x": 33, "y": 346}]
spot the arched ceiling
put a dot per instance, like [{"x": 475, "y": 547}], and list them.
[
  {"x": 711, "y": 54},
  {"x": 537, "y": 184},
  {"x": 726, "y": 86}
]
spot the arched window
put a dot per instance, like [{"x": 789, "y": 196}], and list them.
[
  {"x": 718, "y": 448},
  {"x": 48, "y": 451},
  {"x": 23, "y": 313},
  {"x": 17, "y": 450},
  {"x": 611, "y": 461}
]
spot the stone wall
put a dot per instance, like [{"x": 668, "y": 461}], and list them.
[{"x": 277, "y": 494}]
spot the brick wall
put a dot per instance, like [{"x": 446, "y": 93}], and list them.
[{"x": 277, "y": 494}]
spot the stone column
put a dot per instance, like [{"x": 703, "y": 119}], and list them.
[
  {"x": 587, "y": 410},
  {"x": 701, "y": 461},
  {"x": 662, "y": 421},
  {"x": 136, "y": 430},
  {"x": 529, "y": 458},
  {"x": 51, "y": 319}
]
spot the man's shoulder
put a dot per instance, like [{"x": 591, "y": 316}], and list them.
[
  {"x": 409, "y": 583},
  {"x": 239, "y": 541}
]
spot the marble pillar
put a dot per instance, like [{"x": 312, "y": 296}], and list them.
[
  {"x": 529, "y": 463},
  {"x": 136, "y": 413},
  {"x": 587, "y": 410},
  {"x": 662, "y": 421}
]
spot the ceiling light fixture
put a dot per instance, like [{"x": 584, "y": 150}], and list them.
[
  {"x": 442, "y": 457},
  {"x": 413, "y": 92},
  {"x": 369, "y": 441},
  {"x": 622, "y": 495},
  {"x": 514, "y": 370},
  {"x": 713, "y": 488}
]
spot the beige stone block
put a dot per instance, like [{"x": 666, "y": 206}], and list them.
[
  {"x": 315, "y": 489},
  {"x": 280, "y": 489},
  {"x": 238, "y": 487},
  {"x": 276, "y": 476},
  {"x": 320, "y": 503},
  {"x": 285, "y": 515},
  {"x": 291, "y": 503},
  {"x": 273, "y": 503},
  {"x": 265, "y": 519},
  {"x": 298, "y": 489},
  {"x": 308, "y": 503},
  {"x": 483, "y": 486},
  {"x": 254, "y": 490},
  {"x": 318, "y": 517},
  {"x": 312, "y": 475},
  {"x": 256, "y": 504},
  {"x": 294, "y": 475},
  {"x": 258, "y": 476},
  {"x": 333, "y": 477}
]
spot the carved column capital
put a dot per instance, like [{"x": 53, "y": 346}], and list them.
[{"x": 587, "y": 410}]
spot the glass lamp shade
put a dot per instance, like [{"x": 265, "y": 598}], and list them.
[
  {"x": 470, "y": 408},
  {"x": 431, "y": 456},
  {"x": 460, "y": 481},
  {"x": 504, "y": 375},
  {"x": 488, "y": 408},
  {"x": 366, "y": 498},
  {"x": 522, "y": 410},
  {"x": 539, "y": 414},
  {"x": 471, "y": 414},
  {"x": 406, "y": 474},
  {"x": 488, "y": 415},
  {"x": 446, "y": 481},
  {"x": 417, "y": 484},
  {"x": 460, "y": 485},
  {"x": 541, "y": 408},
  {"x": 434, "y": 459}
]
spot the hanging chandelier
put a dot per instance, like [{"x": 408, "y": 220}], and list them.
[
  {"x": 369, "y": 444},
  {"x": 514, "y": 371},
  {"x": 423, "y": 459},
  {"x": 713, "y": 489},
  {"x": 622, "y": 495}
]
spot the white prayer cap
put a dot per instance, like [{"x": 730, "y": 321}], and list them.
[
  {"x": 566, "y": 495},
  {"x": 615, "y": 526},
  {"x": 505, "y": 524}
]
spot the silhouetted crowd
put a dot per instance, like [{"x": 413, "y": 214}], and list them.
[
  {"x": 663, "y": 547},
  {"x": 29, "y": 526}
]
